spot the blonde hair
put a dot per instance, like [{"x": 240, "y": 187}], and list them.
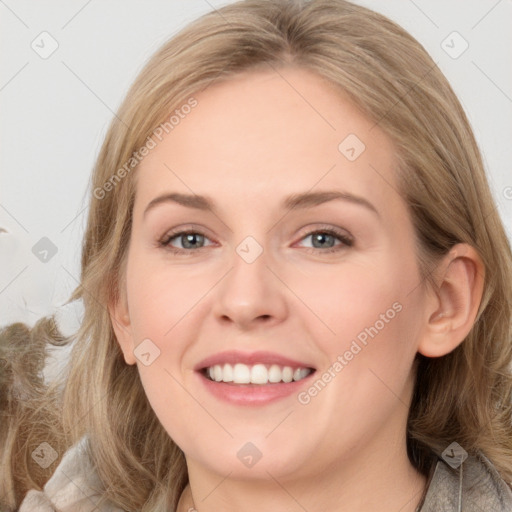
[
  {"x": 29, "y": 410},
  {"x": 465, "y": 396}
]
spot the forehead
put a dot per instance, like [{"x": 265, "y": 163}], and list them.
[{"x": 265, "y": 133}]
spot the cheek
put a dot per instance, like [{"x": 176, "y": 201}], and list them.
[
  {"x": 354, "y": 298},
  {"x": 159, "y": 301},
  {"x": 159, "y": 297},
  {"x": 373, "y": 312}
]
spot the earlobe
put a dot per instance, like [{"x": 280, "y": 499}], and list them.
[
  {"x": 120, "y": 318},
  {"x": 453, "y": 307}
]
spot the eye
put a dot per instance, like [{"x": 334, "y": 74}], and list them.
[
  {"x": 324, "y": 238},
  {"x": 188, "y": 239}
]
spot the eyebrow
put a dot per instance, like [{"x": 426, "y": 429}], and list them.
[{"x": 294, "y": 201}]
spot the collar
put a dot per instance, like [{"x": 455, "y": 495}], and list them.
[{"x": 473, "y": 486}]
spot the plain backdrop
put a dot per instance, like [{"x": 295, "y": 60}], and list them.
[{"x": 67, "y": 64}]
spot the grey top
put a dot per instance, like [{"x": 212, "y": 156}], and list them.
[
  {"x": 75, "y": 487},
  {"x": 474, "y": 486}
]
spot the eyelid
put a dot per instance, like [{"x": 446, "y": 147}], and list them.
[
  {"x": 187, "y": 228},
  {"x": 346, "y": 239},
  {"x": 327, "y": 228}
]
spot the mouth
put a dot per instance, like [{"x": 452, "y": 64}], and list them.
[
  {"x": 256, "y": 378},
  {"x": 260, "y": 374}
]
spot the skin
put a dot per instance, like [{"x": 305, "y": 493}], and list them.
[{"x": 250, "y": 142}]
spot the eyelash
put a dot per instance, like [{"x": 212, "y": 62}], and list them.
[{"x": 345, "y": 239}]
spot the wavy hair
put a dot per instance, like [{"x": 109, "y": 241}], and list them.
[
  {"x": 29, "y": 408},
  {"x": 465, "y": 395}
]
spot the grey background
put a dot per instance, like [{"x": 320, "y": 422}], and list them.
[{"x": 55, "y": 112}]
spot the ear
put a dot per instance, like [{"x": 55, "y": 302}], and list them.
[
  {"x": 452, "y": 308},
  {"x": 120, "y": 318}
]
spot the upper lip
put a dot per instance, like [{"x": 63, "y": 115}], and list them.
[{"x": 250, "y": 358}]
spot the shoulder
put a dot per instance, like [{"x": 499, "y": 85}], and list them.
[
  {"x": 73, "y": 487},
  {"x": 474, "y": 486}
]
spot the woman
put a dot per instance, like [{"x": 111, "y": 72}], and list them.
[{"x": 255, "y": 371}]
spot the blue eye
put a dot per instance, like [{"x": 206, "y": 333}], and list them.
[
  {"x": 321, "y": 236},
  {"x": 190, "y": 239}
]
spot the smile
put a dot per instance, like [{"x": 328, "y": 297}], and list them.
[
  {"x": 252, "y": 378},
  {"x": 261, "y": 374}
]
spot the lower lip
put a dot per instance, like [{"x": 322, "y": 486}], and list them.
[{"x": 252, "y": 394}]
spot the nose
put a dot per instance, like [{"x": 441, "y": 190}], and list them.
[{"x": 251, "y": 293}]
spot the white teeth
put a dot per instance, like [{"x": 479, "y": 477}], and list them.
[
  {"x": 287, "y": 374},
  {"x": 255, "y": 374},
  {"x": 274, "y": 373},
  {"x": 304, "y": 372},
  {"x": 241, "y": 374},
  {"x": 217, "y": 373},
  {"x": 227, "y": 373},
  {"x": 259, "y": 374}
]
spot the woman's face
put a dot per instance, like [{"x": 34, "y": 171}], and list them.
[{"x": 327, "y": 292}]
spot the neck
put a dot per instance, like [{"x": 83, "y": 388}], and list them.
[
  {"x": 386, "y": 486},
  {"x": 375, "y": 475}
]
